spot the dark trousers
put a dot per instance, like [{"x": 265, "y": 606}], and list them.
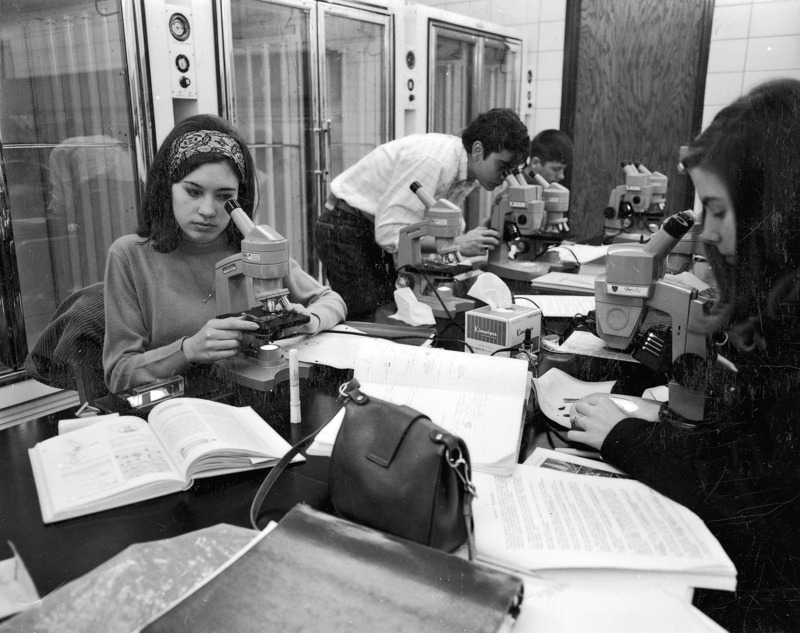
[{"x": 355, "y": 266}]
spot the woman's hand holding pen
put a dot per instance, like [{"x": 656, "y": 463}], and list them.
[
  {"x": 217, "y": 339},
  {"x": 478, "y": 241},
  {"x": 593, "y": 417}
]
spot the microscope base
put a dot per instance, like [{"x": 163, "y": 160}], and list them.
[
  {"x": 519, "y": 270},
  {"x": 455, "y": 306},
  {"x": 252, "y": 373}
]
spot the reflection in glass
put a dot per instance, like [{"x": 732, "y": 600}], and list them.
[
  {"x": 271, "y": 84},
  {"x": 357, "y": 98},
  {"x": 500, "y": 85},
  {"x": 472, "y": 72},
  {"x": 66, "y": 143},
  {"x": 307, "y": 115},
  {"x": 454, "y": 87}
]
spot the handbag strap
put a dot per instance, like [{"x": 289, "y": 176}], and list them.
[
  {"x": 277, "y": 469},
  {"x": 266, "y": 485}
]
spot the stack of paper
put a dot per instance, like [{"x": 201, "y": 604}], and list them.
[
  {"x": 568, "y": 526},
  {"x": 479, "y": 398}
]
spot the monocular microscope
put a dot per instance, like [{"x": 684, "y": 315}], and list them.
[
  {"x": 634, "y": 285},
  {"x": 249, "y": 284},
  {"x": 442, "y": 279},
  {"x": 636, "y": 208},
  {"x": 526, "y": 218}
]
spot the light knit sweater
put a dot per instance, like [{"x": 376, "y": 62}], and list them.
[
  {"x": 378, "y": 184},
  {"x": 153, "y": 301}
]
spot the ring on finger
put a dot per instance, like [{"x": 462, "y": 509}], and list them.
[{"x": 573, "y": 421}]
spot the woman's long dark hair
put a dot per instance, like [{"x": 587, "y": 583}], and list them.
[
  {"x": 753, "y": 145},
  {"x": 158, "y": 222}
]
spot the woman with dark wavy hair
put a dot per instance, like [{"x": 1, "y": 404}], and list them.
[
  {"x": 740, "y": 469},
  {"x": 159, "y": 284}
]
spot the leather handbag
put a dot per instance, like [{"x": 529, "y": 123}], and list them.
[{"x": 393, "y": 469}]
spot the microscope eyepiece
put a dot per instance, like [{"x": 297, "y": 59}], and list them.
[{"x": 231, "y": 205}]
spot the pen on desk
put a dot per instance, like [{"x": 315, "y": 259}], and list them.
[{"x": 294, "y": 387}]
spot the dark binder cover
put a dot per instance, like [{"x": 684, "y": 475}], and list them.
[{"x": 316, "y": 572}]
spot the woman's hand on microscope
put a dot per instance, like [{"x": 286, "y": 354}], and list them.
[
  {"x": 478, "y": 241},
  {"x": 593, "y": 416},
  {"x": 217, "y": 339}
]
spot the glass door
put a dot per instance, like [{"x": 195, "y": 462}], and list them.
[
  {"x": 309, "y": 87},
  {"x": 69, "y": 155}
]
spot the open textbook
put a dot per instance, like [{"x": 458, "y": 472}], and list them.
[
  {"x": 572, "y": 527},
  {"x": 479, "y": 398},
  {"x": 124, "y": 459}
]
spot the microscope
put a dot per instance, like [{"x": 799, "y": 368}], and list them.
[
  {"x": 635, "y": 209},
  {"x": 526, "y": 216},
  {"x": 441, "y": 281},
  {"x": 249, "y": 285},
  {"x": 556, "y": 202},
  {"x": 633, "y": 286}
]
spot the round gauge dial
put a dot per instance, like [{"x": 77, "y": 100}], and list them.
[
  {"x": 179, "y": 26},
  {"x": 182, "y": 63}
]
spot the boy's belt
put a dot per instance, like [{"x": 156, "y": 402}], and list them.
[{"x": 337, "y": 203}]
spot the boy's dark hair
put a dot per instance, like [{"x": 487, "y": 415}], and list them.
[
  {"x": 552, "y": 146},
  {"x": 497, "y": 130},
  {"x": 157, "y": 221}
]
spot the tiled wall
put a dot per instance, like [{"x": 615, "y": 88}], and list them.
[
  {"x": 542, "y": 25},
  {"x": 751, "y": 41}
]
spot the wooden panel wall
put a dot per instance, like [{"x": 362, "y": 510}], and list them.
[{"x": 633, "y": 90}]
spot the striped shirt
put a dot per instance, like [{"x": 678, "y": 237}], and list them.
[{"x": 379, "y": 183}]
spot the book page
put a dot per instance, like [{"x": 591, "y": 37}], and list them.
[
  {"x": 587, "y": 344},
  {"x": 566, "y": 280},
  {"x": 568, "y": 463},
  {"x": 563, "y": 306},
  {"x": 550, "y": 607},
  {"x": 100, "y": 462},
  {"x": 581, "y": 252},
  {"x": 541, "y": 519},
  {"x": 390, "y": 363},
  {"x": 191, "y": 428},
  {"x": 488, "y": 423}
]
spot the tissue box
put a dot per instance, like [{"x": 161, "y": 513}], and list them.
[{"x": 487, "y": 330}]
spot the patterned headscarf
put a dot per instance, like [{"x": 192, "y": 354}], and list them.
[{"x": 205, "y": 142}]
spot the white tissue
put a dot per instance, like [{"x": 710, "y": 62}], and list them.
[
  {"x": 410, "y": 310},
  {"x": 492, "y": 290}
]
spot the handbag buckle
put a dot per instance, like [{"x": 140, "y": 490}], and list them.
[
  {"x": 350, "y": 391},
  {"x": 457, "y": 462}
]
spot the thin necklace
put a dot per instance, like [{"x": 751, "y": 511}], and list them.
[{"x": 210, "y": 288}]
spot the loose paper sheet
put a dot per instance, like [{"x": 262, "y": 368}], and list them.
[
  {"x": 557, "y": 390},
  {"x": 17, "y": 591}
]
